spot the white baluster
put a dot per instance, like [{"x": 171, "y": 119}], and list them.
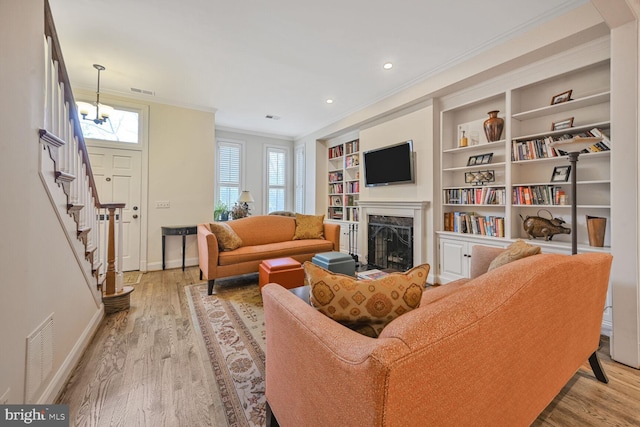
[
  {"x": 47, "y": 92},
  {"x": 119, "y": 282},
  {"x": 55, "y": 113}
]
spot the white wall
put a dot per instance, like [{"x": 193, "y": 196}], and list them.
[
  {"x": 39, "y": 274},
  {"x": 255, "y": 161}
]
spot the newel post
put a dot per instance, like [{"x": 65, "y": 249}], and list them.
[{"x": 114, "y": 298}]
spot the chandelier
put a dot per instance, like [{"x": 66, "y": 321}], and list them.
[{"x": 98, "y": 113}]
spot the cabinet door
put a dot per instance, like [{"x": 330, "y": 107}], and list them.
[{"x": 454, "y": 260}]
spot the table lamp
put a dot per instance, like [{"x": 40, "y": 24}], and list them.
[{"x": 244, "y": 200}]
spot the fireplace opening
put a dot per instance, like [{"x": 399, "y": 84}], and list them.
[{"x": 390, "y": 242}]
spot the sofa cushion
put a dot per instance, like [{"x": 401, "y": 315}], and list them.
[
  {"x": 365, "y": 305},
  {"x": 291, "y": 248},
  {"x": 309, "y": 227},
  {"x": 264, "y": 229},
  {"x": 228, "y": 240},
  {"x": 517, "y": 250}
]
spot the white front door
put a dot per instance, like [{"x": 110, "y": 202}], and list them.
[{"x": 117, "y": 174}]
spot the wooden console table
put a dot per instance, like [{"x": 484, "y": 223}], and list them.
[{"x": 177, "y": 230}]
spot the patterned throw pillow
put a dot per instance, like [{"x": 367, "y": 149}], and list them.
[
  {"x": 365, "y": 306},
  {"x": 228, "y": 240},
  {"x": 517, "y": 250},
  {"x": 309, "y": 227}
]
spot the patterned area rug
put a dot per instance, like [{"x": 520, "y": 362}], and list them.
[{"x": 232, "y": 326}]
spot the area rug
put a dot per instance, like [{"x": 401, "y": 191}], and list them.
[
  {"x": 131, "y": 277},
  {"x": 232, "y": 326}
]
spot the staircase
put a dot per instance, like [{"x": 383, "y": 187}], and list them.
[{"x": 65, "y": 172}]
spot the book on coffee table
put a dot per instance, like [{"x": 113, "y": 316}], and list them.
[{"x": 371, "y": 274}]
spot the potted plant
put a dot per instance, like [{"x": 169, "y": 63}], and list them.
[{"x": 220, "y": 211}]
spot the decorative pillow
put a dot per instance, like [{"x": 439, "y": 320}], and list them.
[
  {"x": 228, "y": 240},
  {"x": 516, "y": 250},
  {"x": 309, "y": 227},
  {"x": 365, "y": 306}
]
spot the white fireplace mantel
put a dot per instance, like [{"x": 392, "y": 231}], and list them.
[{"x": 408, "y": 209}]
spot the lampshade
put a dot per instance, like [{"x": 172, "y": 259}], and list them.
[
  {"x": 245, "y": 197},
  {"x": 575, "y": 145}
]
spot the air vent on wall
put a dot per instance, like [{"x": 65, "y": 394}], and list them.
[
  {"x": 143, "y": 91},
  {"x": 39, "y": 357}
]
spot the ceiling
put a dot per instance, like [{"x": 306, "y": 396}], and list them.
[{"x": 249, "y": 59}]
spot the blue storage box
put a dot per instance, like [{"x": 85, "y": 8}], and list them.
[{"x": 336, "y": 262}]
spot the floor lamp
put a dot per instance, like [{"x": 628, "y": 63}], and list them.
[{"x": 573, "y": 147}]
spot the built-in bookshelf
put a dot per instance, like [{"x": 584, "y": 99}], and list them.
[
  {"x": 521, "y": 174},
  {"x": 344, "y": 181}
]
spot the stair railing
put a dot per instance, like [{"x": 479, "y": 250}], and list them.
[{"x": 62, "y": 137}]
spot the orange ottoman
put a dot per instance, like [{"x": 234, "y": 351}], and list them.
[{"x": 284, "y": 271}]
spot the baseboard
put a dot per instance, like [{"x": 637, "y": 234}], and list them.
[
  {"x": 55, "y": 386},
  {"x": 172, "y": 263}
]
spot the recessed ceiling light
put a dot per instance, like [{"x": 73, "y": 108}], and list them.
[
  {"x": 387, "y": 66},
  {"x": 329, "y": 101}
]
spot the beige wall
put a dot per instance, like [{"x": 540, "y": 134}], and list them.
[
  {"x": 181, "y": 170},
  {"x": 415, "y": 124},
  {"x": 39, "y": 274}
]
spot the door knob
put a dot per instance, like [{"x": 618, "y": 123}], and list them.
[
  {"x": 108, "y": 179},
  {"x": 135, "y": 216},
  {"x": 135, "y": 208}
]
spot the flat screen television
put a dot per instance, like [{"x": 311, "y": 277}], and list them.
[{"x": 389, "y": 165}]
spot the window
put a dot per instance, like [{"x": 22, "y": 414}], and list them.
[
  {"x": 299, "y": 178},
  {"x": 122, "y": 126},
  {"x": 229, "y": 171},
  {"x": 276, "y": 179}
]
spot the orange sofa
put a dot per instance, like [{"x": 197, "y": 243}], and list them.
[
  {"x": 263, "y": 237},
  {"x": 489, "y": 351}
]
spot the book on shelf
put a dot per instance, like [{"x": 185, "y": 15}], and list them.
[
  {"x": 351, "y": 161},
  {"x": 537, "y": 195},
  {"x": 336, "y": 151},
  {"x": 475, "y": 196},
  {"x": 540, "y": 148},
  {"x": 470, "y": 223},
  {"x": 371, "y": 274}
]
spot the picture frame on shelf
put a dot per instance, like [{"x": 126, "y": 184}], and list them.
[
  {"x": 561, "y": 173},
  {"x": 480, "y": 159},
  {"x": 479, "y": 177},
  {"x": 562, "y": 124},
  {"x": 562, "y": 97}
]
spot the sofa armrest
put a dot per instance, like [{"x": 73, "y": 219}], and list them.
[
  {"x": 481, "y": 257},
  {"x": 312, "y": 357},
  {"x": 207, "y": 252},
  {"x": 332, "y": 232}
]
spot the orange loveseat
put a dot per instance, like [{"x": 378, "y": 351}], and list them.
[
  {"x": 490, "y": 351},
  {"x": 263, "y": 237}
]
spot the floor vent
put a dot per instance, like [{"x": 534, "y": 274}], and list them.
[{"x": 39, "y": 357}]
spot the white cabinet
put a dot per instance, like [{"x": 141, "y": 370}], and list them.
[{"x": 454, "y": 260}]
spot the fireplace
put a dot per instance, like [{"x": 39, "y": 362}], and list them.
[
  {"x": 390, "y": 242},
  {"x": 415, "y": 210}
]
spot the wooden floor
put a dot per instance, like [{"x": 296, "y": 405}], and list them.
[{"x": 145, "y": 367}]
